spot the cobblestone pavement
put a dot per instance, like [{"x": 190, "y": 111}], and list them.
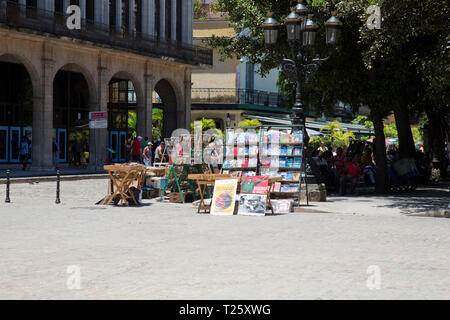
[{"x": 167, "y": 251}]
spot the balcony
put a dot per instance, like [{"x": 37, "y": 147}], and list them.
[
  {"x": 238, "y": 96},
  {"x": 16, "y": 16}
]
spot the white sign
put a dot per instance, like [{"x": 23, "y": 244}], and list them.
[{"x": 100, "y": 124}]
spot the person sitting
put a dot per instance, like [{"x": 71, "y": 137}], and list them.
[
  {"x": 369, "y": 167},
  {"x": 351, "y": 175},
  {"x": 339, "y": 164}
]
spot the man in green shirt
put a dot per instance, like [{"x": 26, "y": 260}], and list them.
[{"x": 144, "y": 144}]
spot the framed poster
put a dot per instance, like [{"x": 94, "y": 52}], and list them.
[
  {"x": 282, "y": 206},
  {"x": 252, "y": 204},
  {"x": 224, "y": 197},
  {"x": 255, "y": 185}
]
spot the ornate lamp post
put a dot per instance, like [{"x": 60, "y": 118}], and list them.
[{"x": 301, "y": 35}]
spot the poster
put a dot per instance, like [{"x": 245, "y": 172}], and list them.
[
  {"x": 252, "y": 204},
  {"x": 223, "y": 201},
  {"x": 282, "y": 206},
  {"x": 255, "y": 185}
]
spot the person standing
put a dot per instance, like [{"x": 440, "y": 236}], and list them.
[
  {"x": 147, "y": 154},
  {"x": 25, "y": 151},
  {"x": 159, "y": 152},
  {"x": 136, "y": 148},
  {"x": 144, "y": 144}
]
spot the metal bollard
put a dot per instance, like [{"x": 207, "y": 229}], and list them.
[
  {"x": 58, "y": 182},
  {"x": 8, "y": 176}
]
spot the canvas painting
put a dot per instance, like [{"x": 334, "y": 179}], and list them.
[
  {"x": 224, "y": 197},
  {"x": 252, "y": 205},
  {"x": 255, "y": 185}
]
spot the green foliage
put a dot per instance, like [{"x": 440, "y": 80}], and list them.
[
  {"x": 200, "y": 11},
  {"x": 208, "y": 124},
  {"x": 132, "y": 124},
  {"x": 363, "y": 121},
  {"x": 250, "y": 123}
]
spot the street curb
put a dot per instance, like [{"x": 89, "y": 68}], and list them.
[{"x": 53, "y": 178}]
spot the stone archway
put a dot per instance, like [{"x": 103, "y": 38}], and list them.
[
  {"x": 126, "y": 115},
  {"x": 166, "y": 98},
  {"x": 19, "y": 86},
  {"x": 73, "y": 98}
]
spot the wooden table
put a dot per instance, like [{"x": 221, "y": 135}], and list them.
[
  {"x": 122, "y": 177},
  {"x": 204, "y": 180}
]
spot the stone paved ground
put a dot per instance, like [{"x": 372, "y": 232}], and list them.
[{"x": 167, "y": 251}]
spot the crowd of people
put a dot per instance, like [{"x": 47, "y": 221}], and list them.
[
  {"x": 141, "y": 150},
  {"x": 343, "y": 170}
]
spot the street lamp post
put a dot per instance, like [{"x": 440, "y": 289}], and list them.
[{"x": 301, "y": 36}]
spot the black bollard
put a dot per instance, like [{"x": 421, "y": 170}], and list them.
[
  {"x": 8, "y": 175},
  {"x": 58, "y": 181},
  {"x": 112, "y": 186}
]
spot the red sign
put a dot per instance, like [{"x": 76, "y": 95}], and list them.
[{"x": 96, "y": 116}]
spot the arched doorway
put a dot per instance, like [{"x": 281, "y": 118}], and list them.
[
  {"x": 16, "y": 108},
  {"x": 122, "y": 117},
  {"x": 164, "y": 98},
  {"x": 71, "y": 106}
]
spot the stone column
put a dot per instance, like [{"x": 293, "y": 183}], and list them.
[
  {"x": 43, "y": 120},
  {"x": 66, "y": 4},
  {"x": 148, "y": 17},
  {"x": 119, "y": 15},
  {"x": 83, "y": 9},
  {"x": 174, "y": 21},
  {"x": 106, "y": 12},
  {"x": 49, "y": 5},
  {"x": 190, "y": 26},
  {"x": 98, "y": 137},
  {"x": 187, "y": 97},
  {"x": 148, "y": 96},
  {"x": 132, "y": 17},
  {"x": 162, "y": 19},
  {"x": 22, "y": 6}
]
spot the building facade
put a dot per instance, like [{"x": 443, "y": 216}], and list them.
[{"x": 51, "y": 77}]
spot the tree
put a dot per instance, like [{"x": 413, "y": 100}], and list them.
[{"x": 250, "y": 123}]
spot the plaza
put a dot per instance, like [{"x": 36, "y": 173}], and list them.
[{"x": 168, "y": 251}]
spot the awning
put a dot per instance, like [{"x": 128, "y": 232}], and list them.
[{"x": 311, "y": 125}]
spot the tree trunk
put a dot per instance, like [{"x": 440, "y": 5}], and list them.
[
  {"x": 437, "y": 139},
  {"x": 380, "y": 154},
  {"x": 405, "y": 138}
]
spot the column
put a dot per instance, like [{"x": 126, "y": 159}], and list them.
[
  {"x": 83, "y": 9},
  {"x": 148, "y": 87},
  {"x": 43, "y": 120},
  {"x": 119, "y": 15},
  {"x": 98, "y": 137},
  {"x": 132, "y": 16},
  {"x": 187, "y": 97},
  {"x": 190, "y": 27},
  {"x": 162, "y": 19},
  {"x": 49, "y": 5},
  {"x": 22, "y": 6},
  {"x": 173, "y": 35},
  {"x": 148, "y": 17},
  {"x": 66, "y": 4},
  {"x": 106, "y": 12}
]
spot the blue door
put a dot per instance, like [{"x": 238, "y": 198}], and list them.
[
  {"x": 29, "y": 131},
  {"x": 14, "y": 152},
  {"x": 122, "y": 146},
  {"x": 4, "y": 144},
  {"x": 114, "y": 146}
]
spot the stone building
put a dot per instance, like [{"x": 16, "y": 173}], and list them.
[{"x": 51, "y": 77}]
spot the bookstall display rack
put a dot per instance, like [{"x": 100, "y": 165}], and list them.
[{"x": 273, "y": 151}]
